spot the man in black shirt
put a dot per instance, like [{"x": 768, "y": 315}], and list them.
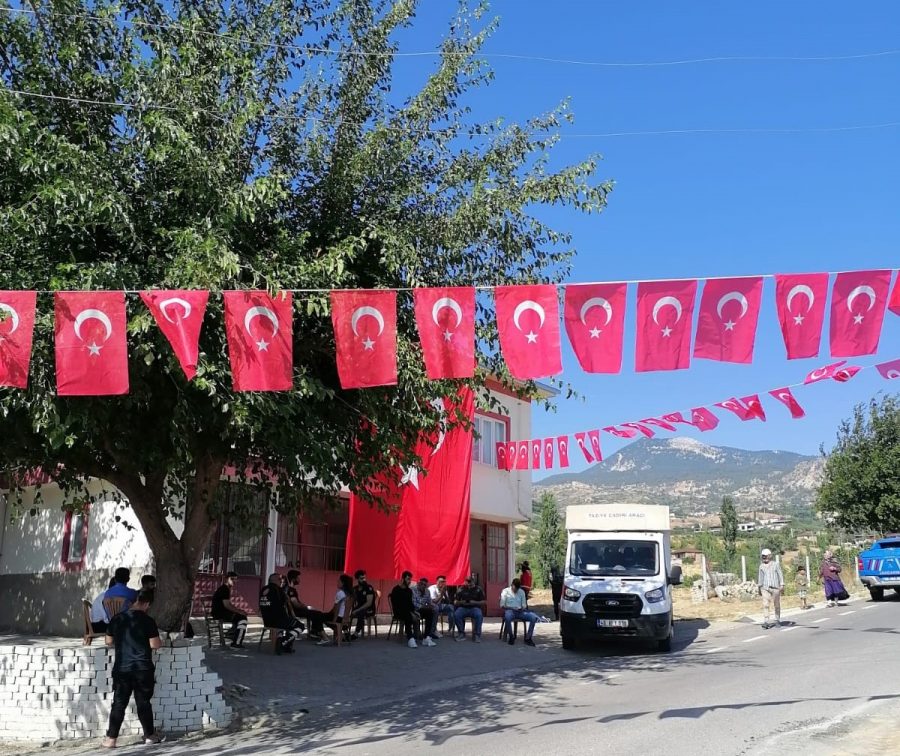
[
  {"x": 275, "y": 610},
  {"x": 404, "y": 609},
  {"x": 299, "y": 609},
  {"x": 470, "y": 602},
  {"x": 134, "y": 635},
  {"x": 222, "y": 609},
  {"x": 363, "y": 600}
]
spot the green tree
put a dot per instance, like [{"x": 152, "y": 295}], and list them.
[
  {"x": 729, "y": 518},
  {"x": 861, "y": 484},
  {"x": 199, "y": 144},
  {"x": 550, "y": 539}
]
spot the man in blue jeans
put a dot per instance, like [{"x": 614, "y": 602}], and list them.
[
  {"x": 470, "y": 602},
  {"x": 514, "y": 604}
]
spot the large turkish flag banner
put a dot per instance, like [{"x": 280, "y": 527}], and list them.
[
  {"x": 800, "y": 303},
  {"x": 365, "y": 334},
  {"x": 729, "y": 312},
  {"x": 260, "y": 329},
  {"x": 16, "y": 334},
  {"x": 595, "y": 323},
  {"x": 179, "y": 315},
  {"x": 665, "y": 311},
  {"x": 857, "y": 311},
  {"x": 445, "y": 318},
  {"x": 91, "y": 348},
  {"x": 433, "y": 527},
  {"x": 528, "y": 322},
  {"x": 372, "y": 533}
]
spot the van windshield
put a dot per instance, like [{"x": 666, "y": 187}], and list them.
[{"x": 615, "y": 558}]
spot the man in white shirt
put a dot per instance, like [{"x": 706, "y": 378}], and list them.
[
  {"x": 513, "y": 602},
  {"x": 99, "y": 620},
  {"x": 441, "y": 601},
  {"x": 771, "y": 583}
]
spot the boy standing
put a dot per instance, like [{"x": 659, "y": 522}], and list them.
[{"x": 802, "y": 583}]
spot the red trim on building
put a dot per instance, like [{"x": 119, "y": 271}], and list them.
[{"x": 64, "y": 563}]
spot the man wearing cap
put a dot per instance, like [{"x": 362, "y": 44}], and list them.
[
  {"x": 771, "y": 584},
  {"x": 470, "y": 602}
]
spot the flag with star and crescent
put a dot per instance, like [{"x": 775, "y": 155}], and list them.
[
  {"x": 528, "y": 325},
  {"x": 90, "y": 344},
  {"x": 365, "y": 337},
  {"x": 259, "y": 328},
  {"x": 858, "y": 301},
  {"x": 800, "y": 303},
  {"x": 179, "y": 315},
  {"x": 665, "y": 311},
  {"x": 729, "y": 313},
  {"x": 594, "y": 315},
  {"x": 16, "y": 333},
  {"x": 445, "y": 318}
]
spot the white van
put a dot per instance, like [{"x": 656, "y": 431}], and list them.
[{"x": 618, "y": 579}]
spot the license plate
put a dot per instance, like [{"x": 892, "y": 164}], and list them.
[{"x": 612, "y": 623}]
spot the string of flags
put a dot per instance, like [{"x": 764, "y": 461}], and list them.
[
  {"x": 92, "y": 352},
  {"x": 533, "y": 454}
]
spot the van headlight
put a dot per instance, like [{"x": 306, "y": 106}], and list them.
[
  {"x": 655, "y": 596},
  {"x": 570, "y": 594}
]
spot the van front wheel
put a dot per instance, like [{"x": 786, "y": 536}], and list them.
[{"x": 568, "y": 643}]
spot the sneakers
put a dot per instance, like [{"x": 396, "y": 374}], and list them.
[
  {"x": 428, "y": 642},
  {"x": 323, "y": 642},
  {"x": 154, "y": 739},
  {"x": 436, "y": 635},
  {"x": 412, "y": 643},
  {"x": 460, "y": 638},
  {"x": 765, "y": 626},
  {"x": 529, "y": 642},
  {"x": 477, "y": 639},
  {"x": 512, "y": 640}
]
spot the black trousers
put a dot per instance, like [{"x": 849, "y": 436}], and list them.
[
  {"x": 556, "y": 591},
  {"x": 124, "y": 684},
  {"x": 313, "y": 616},
  {"x": 410, "y": 624}
]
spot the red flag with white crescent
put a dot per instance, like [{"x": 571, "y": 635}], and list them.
[
  {"x": 620, "y": 432},
  {"x": 787, "y": 398},
  {"x": 754, "y": 407},
  {"x": 445, "y": 318},
  {"x": 595, "y": 323},
  {"x": 823, "y": 373},
  {"x": 536, "y": 453},
  {"x": 548, "y": 453},
  {"x": 512, "y": 455},
  {"x": 91, "y": 348},
  {"x": 16, "y": 334},
  {"x": 179, "y": 315},
  {"x": 642, "y": 429},
  {"x": 594, "y": 437},
  {"x": 562, "y": 446},
  {"x": 365, "y": 335},
  {"x": 889, "y": 370},
  {"x": 665, "y": 311},
  {"x": 844, "y": 374},
  {"x": 800, "y": 303},
  {"x": 729, "y": 313},
  {"x": 260, "y": 333},
  {"x": 857, "y": 311},
  {"x": 582, "y": 444},
  {"x": 522, "y": 456},
  {"x": 734, "y": 405},
  {"x": 501, "y": 456},
  {"x": 676, "y": 417},
  {"x": 703, "y": 419},
  {"x": 661, "y": 423},
  {"x": 528, "y": 323}
]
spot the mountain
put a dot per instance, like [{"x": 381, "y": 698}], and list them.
[{"x": 691, "y": 476}]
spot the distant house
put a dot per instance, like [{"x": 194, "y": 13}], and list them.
[{"x": 746, "y": 527}]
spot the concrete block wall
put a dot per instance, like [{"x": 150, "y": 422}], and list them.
[{"x": 53, "y": 693}]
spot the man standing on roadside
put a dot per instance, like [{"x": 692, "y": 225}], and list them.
[
  {"x": 134, "y": 635},
  {"x": 771, "y": 584}
]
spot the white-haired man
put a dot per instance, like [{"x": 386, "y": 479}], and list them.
[{"x": 771, "y": 584}]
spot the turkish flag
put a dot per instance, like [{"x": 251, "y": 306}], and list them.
[
  {"x": 562, "y": 445},
  {"x": 522, "y": 456},
  {"x": 433, "y": 526},
  {"x": 889, "y": 370},
  {"x": 703, "y": 419},
  {"x": 620, "y": 432},
  {"x": 800, "y": 303},
  {"x": 536, "y": 449},
  {"x": 734, "y": 405},
  {"x": 594, "y": 437},
  {"x": 729, "y": 312},
  {"x": 445, "y": 318},
  {"x": 846, "y": 373},
  {"x": 582, "y": 444},
  {"x": 642, "y": 429},
  {"x": 512, "y": 456},
  {"x": 595, "y": 323},
  {"x": 259, "y": 329},
  {"x": 365, "y": 334},
  {"x": 894, "y": 304},
  {"x": 786, "y": 397},
  {"x": 501, "y": 456},
  {"x": 676, "y": 417},
  {"x": 372, "y": 534},
  {"x": 91, "y": 349},
  {"x": 528, "y": 323},
  {"x": 754, "y": 407},
  {"x": 857, "y": 311},
  {"x": 660, "y": 423},
  {"x": 548, "y": 453},
  {"x": 16, "y": 333},
  {"x": 823, "y": 373},
  {"x": 179, "y": 315},
  {"x": 665, "y": 310}
]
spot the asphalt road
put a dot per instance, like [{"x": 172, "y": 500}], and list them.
[{"x": 803, "y": 688}]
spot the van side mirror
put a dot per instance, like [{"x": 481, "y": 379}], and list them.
[{"x": 675, "y": 575}]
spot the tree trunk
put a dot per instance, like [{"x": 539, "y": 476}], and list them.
[{"x": 174, "y": 589}]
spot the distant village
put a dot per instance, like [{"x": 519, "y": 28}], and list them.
[{"x": 709, "y": 522}]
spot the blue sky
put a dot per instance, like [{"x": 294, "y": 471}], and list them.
[{"x": 697, "y": 205}]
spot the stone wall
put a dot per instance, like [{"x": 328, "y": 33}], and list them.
[{"x": 51, "y": 693}]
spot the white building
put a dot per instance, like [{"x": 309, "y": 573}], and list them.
[{"x": 50, "y": 560}]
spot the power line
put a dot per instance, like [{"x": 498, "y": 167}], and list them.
[
  {"x": 426, "y": 131},
  {"x": 487, "y": 56}
]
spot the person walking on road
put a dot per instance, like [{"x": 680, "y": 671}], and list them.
[
  {"x": 771, "y": 584},
  {"x": 830, "y": 572}
]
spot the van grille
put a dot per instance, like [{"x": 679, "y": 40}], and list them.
[{"x": 612, "y": 605}]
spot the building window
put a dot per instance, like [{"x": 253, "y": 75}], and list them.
[
  {"x": 237, "y": 547},
  {"x": 497, "y": 553},
  {"x": 74, "y": 542},
  {"x": 287, "y": 545},
  {"x": 322, "y": 546},
  {"x": 489, "y": 431}
]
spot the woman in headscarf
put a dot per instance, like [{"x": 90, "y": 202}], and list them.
[{"x": 830, "y": 572}]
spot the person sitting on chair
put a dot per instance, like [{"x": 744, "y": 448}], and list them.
[
  {"x": 514, "y": 605},
  {"x": 364, "y": 601},
  {"x": 336, "y": 615},
  {"x": 120, "y": 588},
  {"x": 315, "y": 618},
  {"x": 441, "y": 601},
  {"x": 99, "y": 620},
  {"x": 223, "y": 610},
  {"x": 470, "y": 602},
  {"x": 425, "y": 608},
  {"x": 275, "y": 612},
  {"x": 404, "y": 609}
]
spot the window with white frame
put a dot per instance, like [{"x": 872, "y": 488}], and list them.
[{"x": 488, "y": 432}]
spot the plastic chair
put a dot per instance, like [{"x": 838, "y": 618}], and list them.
[
  {"x": 516, "y": 621},
  {"x": 342, "y": 626},
  {"x": 89, "y": 633},
  {"x": 113, "y": 606}
]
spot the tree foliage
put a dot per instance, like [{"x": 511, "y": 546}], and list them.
[
  {"x": 550, "y": 539},
  {"x": 729, "y": 518},
  {"x": 220, "y": 145},
  {"x": 861, "y": 485}
]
